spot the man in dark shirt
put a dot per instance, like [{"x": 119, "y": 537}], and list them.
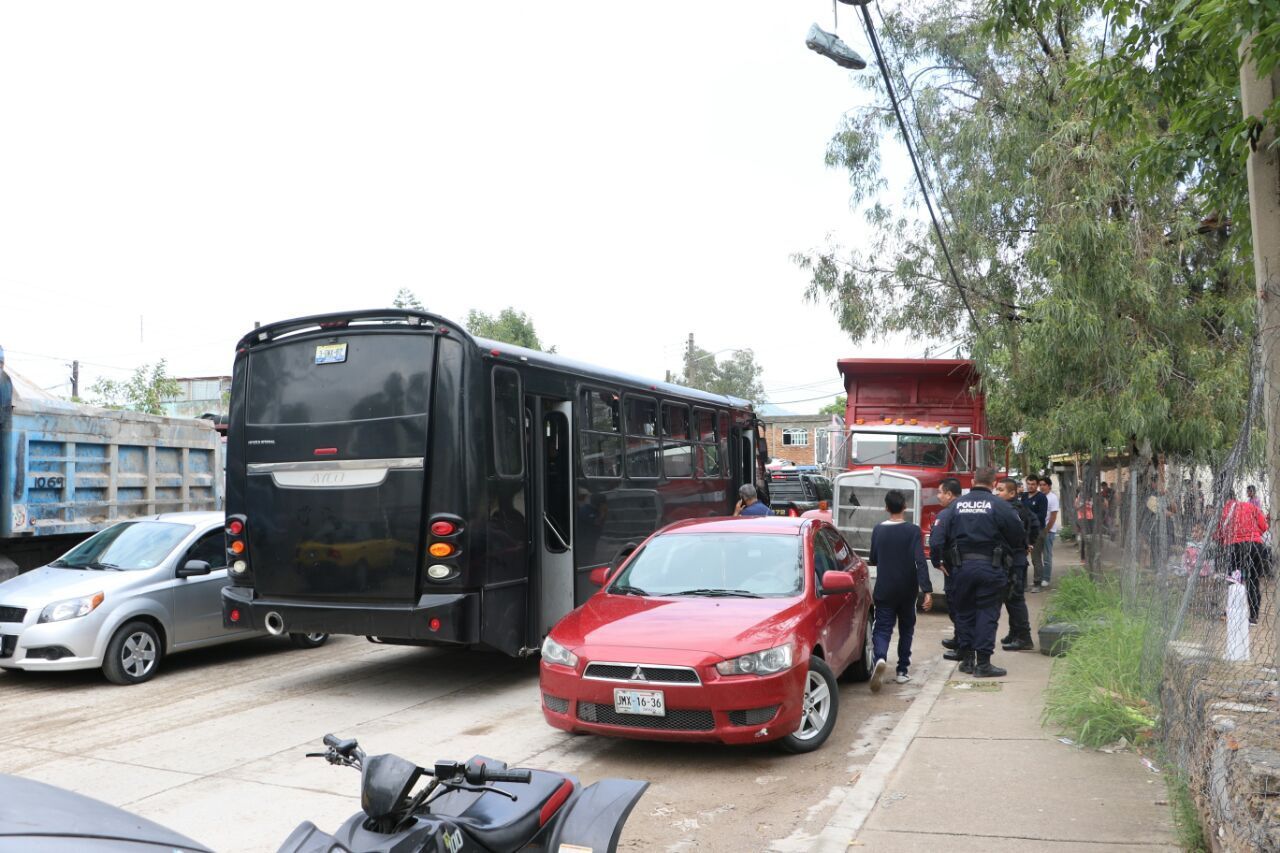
[
  {"x": 1035, "y": 501},
  {"x": 1019, "y": 637},
  {"x": 897, "y": 552},
  {"x": 948, "y": 490}
]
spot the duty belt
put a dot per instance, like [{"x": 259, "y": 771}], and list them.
[{"x": 974, "y": 556}]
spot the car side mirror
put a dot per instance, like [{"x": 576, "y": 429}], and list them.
[
  {"x": 599, "y": 575},
  {"x": 194, "y": 567},
  {"x": 835, "y": 583}
]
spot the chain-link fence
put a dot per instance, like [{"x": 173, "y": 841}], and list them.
[{"x": 1188, "y": 541}]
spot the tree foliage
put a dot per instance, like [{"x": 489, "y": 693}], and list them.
[
  {"x": 1102, "y": 299},
  {"x": 508, "y": 325},
  {"x": 406, "y": 298},
  {"x": 837, "y": 407},
  {"x": 736, "y": 376},
  {"x": 145, "y": 391}
]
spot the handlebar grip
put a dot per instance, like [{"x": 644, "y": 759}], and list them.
[
  {"x": 332, "y": 740},
  {"x": 507, "y": 775}
]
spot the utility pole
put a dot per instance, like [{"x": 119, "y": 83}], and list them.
[
  {"x": 1256, "y": 95},
  {"x": 75, "y": 380},
  {"x": 688, "y": 364}
]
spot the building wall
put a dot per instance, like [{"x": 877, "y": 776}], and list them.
[{"x": 776, "y": 428}]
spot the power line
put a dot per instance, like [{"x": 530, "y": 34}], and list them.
[
  {"x": 69, "y": 360},
  {"x": 870, "y": 28}
]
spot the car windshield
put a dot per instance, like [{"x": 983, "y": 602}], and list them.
[
  {"x": 127, "y": 546},
  {"x": 749, "y": 565}
]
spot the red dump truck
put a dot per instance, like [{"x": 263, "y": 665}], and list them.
[{"x": 909, "y": 423}]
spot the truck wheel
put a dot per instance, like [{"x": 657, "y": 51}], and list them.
[
  {"x": 308, "y": 641},
  {"x": 133, "y": 655},
  {"x": 821, "y": 703},
  {"x": 860, "y": 670}
]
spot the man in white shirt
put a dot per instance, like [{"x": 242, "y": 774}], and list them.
[{"x": 1052, "y": 524}]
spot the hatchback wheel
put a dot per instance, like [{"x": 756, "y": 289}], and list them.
[
  {"x": 133, "y": 655},
  {"x": 309, "y": 641},
  {"x": 820, "y": 704},
  {"x": 860, "y": 670}
]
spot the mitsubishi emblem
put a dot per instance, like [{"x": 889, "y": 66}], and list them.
[{"x": 638, "y": 675}]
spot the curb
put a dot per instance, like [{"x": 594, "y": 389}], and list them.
[{"x": 860, "y": 798}]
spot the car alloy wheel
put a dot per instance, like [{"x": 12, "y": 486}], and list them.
[
  {"x": 819, "y": 707},
  {"x": 133, "y": 655},
  {"x": 313, "y": 640}
]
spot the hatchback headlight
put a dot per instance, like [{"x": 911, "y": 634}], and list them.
[
  {"x": 553, "y": 652},
  {"x": 767, "y": 662},
  {"x": 72, "y": 608}
]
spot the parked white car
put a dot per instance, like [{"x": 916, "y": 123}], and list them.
[{"x": 124, "y": 599}]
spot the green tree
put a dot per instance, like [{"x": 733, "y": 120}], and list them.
[
  {"x": 838, "y": 407},
  {"x": 509, "y": 326},
  {"x": 406, "y": 298},
  {"x": 145, "y": 391},
  {"x": 1096, "y": 305},
  {"x": 736, "y": 376}
]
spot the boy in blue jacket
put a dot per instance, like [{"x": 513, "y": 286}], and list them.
[{"x": 897, "y": 552}]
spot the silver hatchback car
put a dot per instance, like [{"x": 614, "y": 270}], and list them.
[{"x": 124, "y": 599}]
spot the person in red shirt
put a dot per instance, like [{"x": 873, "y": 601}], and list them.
[{"x": 1240, "y": 530}]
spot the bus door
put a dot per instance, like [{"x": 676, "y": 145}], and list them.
[{"x": 551, "y": 568}]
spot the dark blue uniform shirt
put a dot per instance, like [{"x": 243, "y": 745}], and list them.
[
  {"x": 938, "y": 538},
  {"x": 1031, "y": 528},
  {"x": 897, "y": 552},
  {"x": 980, "y": 521}
]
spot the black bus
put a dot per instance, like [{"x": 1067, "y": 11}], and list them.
[{"x": 390, "y": 475}]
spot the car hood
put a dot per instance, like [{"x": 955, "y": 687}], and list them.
[
  {"x": 46, "y": 585},
  {"x": 720, "y": 626}
]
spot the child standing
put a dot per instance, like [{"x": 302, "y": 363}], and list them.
[{"x": 897, "y": 552}]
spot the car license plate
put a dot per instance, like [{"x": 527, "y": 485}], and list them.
[
  {"x": 649, "y": 703},
  {"x": 331, "y": 353}
]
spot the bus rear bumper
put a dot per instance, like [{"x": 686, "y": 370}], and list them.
[{"x": 455, "y": 616}]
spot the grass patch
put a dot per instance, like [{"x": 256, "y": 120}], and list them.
[
  {"x": 1186, "y": 817},
  {"x": 1098, "y": 693},
  {"x": 1079, "y": 600}
]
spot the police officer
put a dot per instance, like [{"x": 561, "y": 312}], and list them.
[
  {"x": 948, "y": 490},
  {"x": 1019, "y": 637},
  {"x": 982, "y": 533}
]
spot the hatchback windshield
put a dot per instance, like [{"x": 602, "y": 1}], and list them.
[
  {"x": 131, "y": 545},
  {"x": 749, "y": 565}
]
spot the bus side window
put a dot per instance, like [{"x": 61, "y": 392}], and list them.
[
  {"x": 599, "y": 435},
  {"x": 710, "y": 463},
  {"x": 508, "y": 422},
  {"x": 642, "y": 437}
]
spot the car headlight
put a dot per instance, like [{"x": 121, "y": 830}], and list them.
[
  {"x": 72, "y": 608},
  {"x": 553, "y": 652},
  {"x": 766, "y": 662}
]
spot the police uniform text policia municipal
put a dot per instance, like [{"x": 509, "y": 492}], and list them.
[{"x": 982, "y": 534}]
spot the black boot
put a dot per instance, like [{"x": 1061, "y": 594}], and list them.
[
  {"x": 954, "y": 654},
  {"x": 950, "y": 643},
  {"x": 985, "y": 669},
  {"x": 1007, "y": 638},
  {"x": 967, "y": 662},
  {"x": 1021, "y": 644}
]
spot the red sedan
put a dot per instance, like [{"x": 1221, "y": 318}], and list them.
[{"x": 730, "y": 630}]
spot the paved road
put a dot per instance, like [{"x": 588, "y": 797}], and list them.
[{"x": 213, "y": 747}]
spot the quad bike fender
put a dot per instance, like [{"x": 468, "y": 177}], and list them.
[{"x": 594, "y": 820}]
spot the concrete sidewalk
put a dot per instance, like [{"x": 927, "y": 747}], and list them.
[{"x": 974, "y": 770}]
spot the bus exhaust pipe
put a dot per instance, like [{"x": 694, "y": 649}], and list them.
[{"x": 274, "y": 624}]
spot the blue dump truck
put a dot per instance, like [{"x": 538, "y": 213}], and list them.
[{"x": 68, "y": 470}]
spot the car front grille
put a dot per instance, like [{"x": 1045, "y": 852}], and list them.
[
  {"x": 753, "y": 716},
  {"x": 8, "y": 643},
  {"x": 676, "y": 720},
  {"x": 12, "y": 614},
  {"x": 555, "y": 703},
  {"x": 648, "y": 673}
]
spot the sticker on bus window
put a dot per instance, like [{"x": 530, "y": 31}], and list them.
[{"x": 331, "y": 353}]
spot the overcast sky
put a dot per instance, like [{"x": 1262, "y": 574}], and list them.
[{"x": 171, "y": 172}]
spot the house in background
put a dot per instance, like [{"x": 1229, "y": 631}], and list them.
[
  {"x": 794, "y": 438},
  {"x": 200, "y": 395}
]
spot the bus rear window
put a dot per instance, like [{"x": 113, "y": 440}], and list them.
[{"x": 383, "y": 376}]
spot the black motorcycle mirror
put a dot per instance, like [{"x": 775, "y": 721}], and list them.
[{"x": 385, "y": 783}]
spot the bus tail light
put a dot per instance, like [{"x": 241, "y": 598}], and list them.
[
  {"x": 440, "y": 549},
  {"x": 443, "y": 528},
  {"x": 435, "y": 623},
  {"x": 237, "y": 545}
]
